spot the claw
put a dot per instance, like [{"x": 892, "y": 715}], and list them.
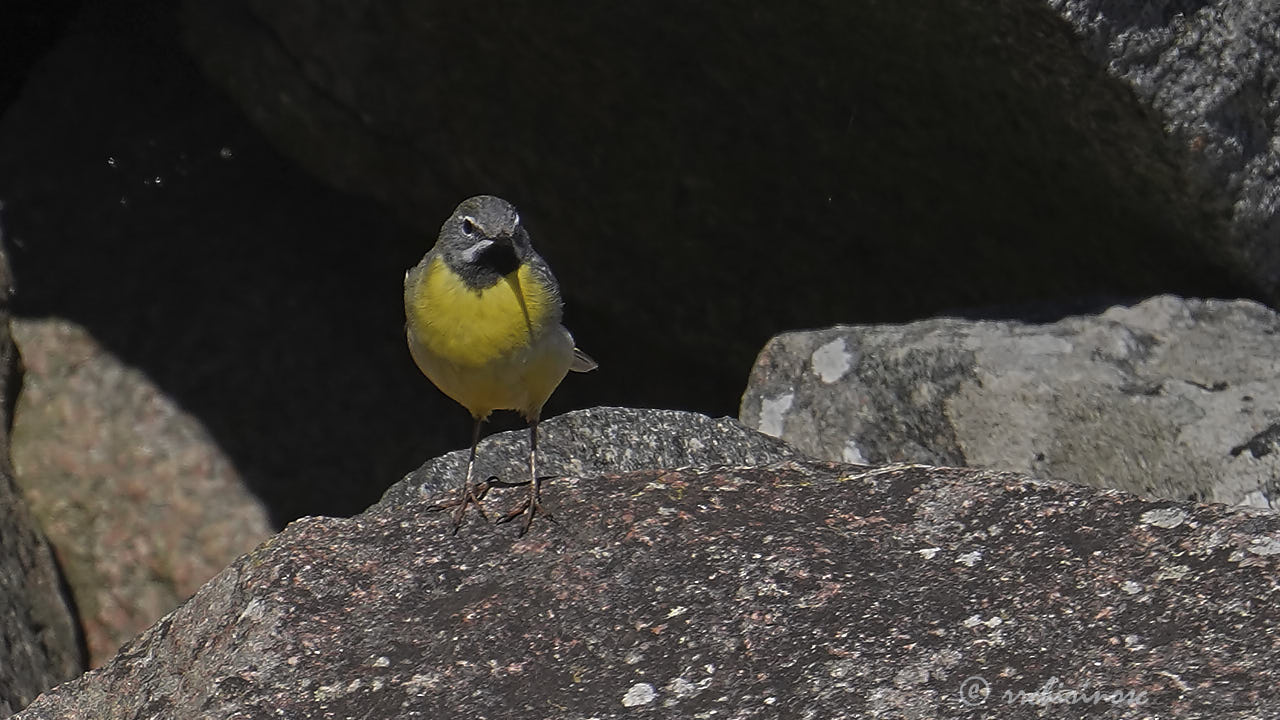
[
  {"x": 529, "y": 507},
  {"x": 467, "y": 496}
]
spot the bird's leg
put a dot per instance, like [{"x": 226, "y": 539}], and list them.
[
  {"x": 467, "y": 494},
  {"x": 531, "y": 504}
]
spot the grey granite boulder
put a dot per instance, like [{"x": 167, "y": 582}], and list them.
[
  {"x": 39, "y": 642},
  {"x": 802, "y": 589},
  {"x": 600, "y": 440},
  {"x": 1171, "y": 398},
  {"x": 1211, "y": 70}
]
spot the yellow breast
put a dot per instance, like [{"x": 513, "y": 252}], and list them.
[{"x": 469, "y": 327}]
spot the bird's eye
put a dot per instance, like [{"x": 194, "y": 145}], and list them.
[
  {"x": 516, "y": 219},
  {"x": 468, "y": 226}
]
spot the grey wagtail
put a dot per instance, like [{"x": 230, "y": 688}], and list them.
[{"x": 483, "y": 319}]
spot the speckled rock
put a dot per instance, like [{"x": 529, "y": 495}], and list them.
[
  {"x": 1211, "y": 69},
  {"x": 1170, "y": 398},
  {"x": 138, "y": 501},
  {"x": 39, "y": 642},
  {"x": 794, "y": 590},
  {"x": 601, "y": 440},
  {"x": 40, "y": 647}
]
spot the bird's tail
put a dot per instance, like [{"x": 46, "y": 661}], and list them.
[{"x": 582, "y": 362}]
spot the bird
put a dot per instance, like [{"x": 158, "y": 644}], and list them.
[{"x": 483, "y": 321}]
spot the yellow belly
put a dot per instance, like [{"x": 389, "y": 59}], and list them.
[{"x": 501, "y": 348}]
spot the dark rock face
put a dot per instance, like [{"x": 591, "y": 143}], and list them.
[
  {"x": 794, "y": 590},
  {"x": 1212, "y": 72},
  {"x": 27, "y": 29},
  {"x": 39, "y": 647},
  {"x": 1170, "y": 398}
]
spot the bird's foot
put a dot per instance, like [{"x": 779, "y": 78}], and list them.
[
  {"x": 529, "y": 507},
  {"x": 468, "y": 496}
]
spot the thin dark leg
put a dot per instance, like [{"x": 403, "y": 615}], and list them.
[
  {"x": 533, "y": 503},
  {"x": 471, "y": 459},
  {"x": 533, "y": 460},
  {"x": 467, "y": 494}
]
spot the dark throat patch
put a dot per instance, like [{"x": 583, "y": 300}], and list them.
[{"x": 495, "y": 263}]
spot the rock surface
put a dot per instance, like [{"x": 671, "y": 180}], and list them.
[
  {"x": 801, "y": 589},
  {"x": 41, "y": 647},
  {"x": 599, "y": 440},
  {"x": 1171, "y": 398},
  {"x": 1211, "y": 69},
  {"x": 39, "y": 642},
  {"x": 137, "y": 500}
]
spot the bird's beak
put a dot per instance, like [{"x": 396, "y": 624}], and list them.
[
  {"x": 503, "y": 244},
  {"x": 474, "y": 252}
]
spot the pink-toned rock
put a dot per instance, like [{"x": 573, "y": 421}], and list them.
[{"x": 138, "y": 501}]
